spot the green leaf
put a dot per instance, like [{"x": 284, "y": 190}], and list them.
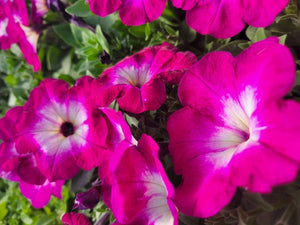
[
  {"x": 3, "y": 210},
  {"x": 54, "y": 57},
  {"x": 101, "y": 38},
  {"x": 137, "y": 31},
  {"x": 47, "y": 220},
  {"x": 255, "y": 34},
  {"x": 81, "y": 34},
  {"x": 67, "y": 78},
  {"x": 147, "y": 31},
  {"x": 3, "y": 65},
  {"x": 80, "y": 9},
  {"x": 282, "y": 39},
  {"x": 11, "y": 80},
  {"x": 65, "y": 33}
]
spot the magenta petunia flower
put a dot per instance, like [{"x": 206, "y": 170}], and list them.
[
  {"x": 23, "y": 168},
  {"x": 235, "y": 129},
  {"x": 139, "y": 79},
  {"x": 14, "y": 28},
  {"x": 141, "y": 193},
  {"x": 64, "y": 129},
  {"x": 132, "y": 13},
  {"x": 224, "y": 19}
]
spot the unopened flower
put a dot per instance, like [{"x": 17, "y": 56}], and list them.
[
  {"x": 235, "y": 129},
  {"x": 224, "y": 19}
]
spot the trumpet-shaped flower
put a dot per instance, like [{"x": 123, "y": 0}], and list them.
[
  {"x": 235, "y": 129},
  {"x": 226, "y": 18},
  {"x": 64, "y": 130},
  {"x": 14, "y": 28},
  {"x": 132, "y": 13},
  {"x": 23, "y": 168},
  {"x": 139, "y": 79},
  {"x": 141, "y": 192}
]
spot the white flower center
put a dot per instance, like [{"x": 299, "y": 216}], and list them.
[
  {"x": 136, "y": 76},
  {"x": 3, "y": 25},
  {"x": 236, "y": 132},
  {"x": 61, "y": 127},
  {"x": 157, "y": 207}
]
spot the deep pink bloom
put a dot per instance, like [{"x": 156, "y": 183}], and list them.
[
  {"x": 74, "y": 218},
  {"x": 14, "y": 28},
  {"x": 139, "y": 79},
  {"x": 235, "y": 129},
  {"x": 23, "y": 167},
  {"x": 226, "y": 18},
  {"x": 65, "y": 130},
  {"x": 132, "y": 12},
  {"x": 141, "y": 192}
]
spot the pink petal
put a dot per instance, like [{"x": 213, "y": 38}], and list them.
[
  {"x": 141, "y": 194},
  {"x": 104, "y": 7},
  {"x": 75, "y": 218},
  {"x": 137, "y": 12},
  {"x": 278, "y": 128},
  {"x": 174, "y": 70},
  {"x": 262, "y": 13},
  {"x": 267, "y": 66},
  {"x": 28, "y": 170},
  {"x": 259, "y": 167},
  {"x": 184, "y": 4},
  {"x": 27, "y": 40},
  {"x": 131, "y": 100},
  {"x": 40, "y": 195},
  {"x": 221, "y": 19},
  {"x": 210, "y": 79},
  {"x": 194, "y": 196}
]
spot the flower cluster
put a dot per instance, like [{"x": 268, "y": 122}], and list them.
[
  {"x": 61, "y": 130},
  {"x": 233, "y": 131},
  {"x": 221, "y": 19},
  {"x": 224, "y": 19}
]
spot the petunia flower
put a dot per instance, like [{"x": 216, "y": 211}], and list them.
[
  {"x": 14, "y": 28},
  {"x": 138, "y": 80},
  {"x": 64, "y": 130},
  {"x": 235, "y": 129},
  {"x": 23, "y": 168},
  {"x": 132, "y": 13},
  {"x": 224, "y": 19},
  {"x": 141, "y": 192}
]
